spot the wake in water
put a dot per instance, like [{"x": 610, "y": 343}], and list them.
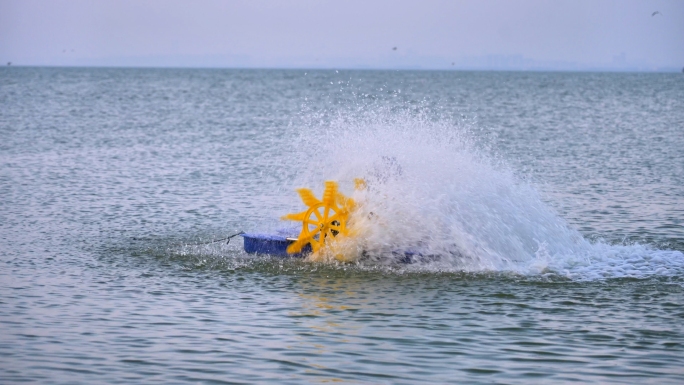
[{"x": 436, "y": 191}]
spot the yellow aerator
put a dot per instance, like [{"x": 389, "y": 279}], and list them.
[{"x": 324, "y": 219}]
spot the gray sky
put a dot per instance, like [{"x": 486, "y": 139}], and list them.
[{"x": 560, "y": 34}]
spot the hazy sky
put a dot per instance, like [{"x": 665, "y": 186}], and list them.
[{"x": 344, "y": 33}]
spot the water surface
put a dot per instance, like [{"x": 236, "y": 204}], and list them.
[{"x": 564, "y": 192}]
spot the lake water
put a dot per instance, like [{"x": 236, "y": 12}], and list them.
[{"x": 553, "y": 202}]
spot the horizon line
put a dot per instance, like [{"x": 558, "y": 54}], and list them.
[{"x": 587, "y": 69}]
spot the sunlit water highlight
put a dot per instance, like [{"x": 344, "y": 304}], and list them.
[{"x": 552, "y": 203}]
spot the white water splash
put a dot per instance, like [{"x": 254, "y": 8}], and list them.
[{"x": 435, "y": 191}]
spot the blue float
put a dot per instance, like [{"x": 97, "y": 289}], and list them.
[{"x": 271, "y": 244}]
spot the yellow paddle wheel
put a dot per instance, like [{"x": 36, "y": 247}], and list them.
[{"x": 324, "y": 223}]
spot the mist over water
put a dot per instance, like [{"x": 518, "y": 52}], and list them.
[{"x": 544, "y": 213}]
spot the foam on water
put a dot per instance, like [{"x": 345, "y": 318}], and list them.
[{"x": 437, "y": 191}]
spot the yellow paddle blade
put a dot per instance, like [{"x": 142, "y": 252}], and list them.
[
  {"x": 346, "y": 204},
  {"x": 308, "y": 197},
  {"x": 299, "y": 217},
  {"x": 330, "y": 193},
  {"x": 296, "y": 246}
]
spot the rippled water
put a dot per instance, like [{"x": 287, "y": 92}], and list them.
[{"x": 555, "y": 200}]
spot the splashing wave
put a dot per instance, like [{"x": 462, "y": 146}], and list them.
[{"x": 437, "y": 191}]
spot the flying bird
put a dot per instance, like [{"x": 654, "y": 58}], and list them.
[
  {"x": 394, "y": 48},
  {"x": 656, "y": 13}
]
